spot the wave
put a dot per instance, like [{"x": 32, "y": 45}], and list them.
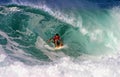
[
  {"x": 84, "y": 31},
  {"x": 91, "y": 36}
]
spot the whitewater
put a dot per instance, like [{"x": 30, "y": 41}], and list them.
[{"x": 89, "y": 29}]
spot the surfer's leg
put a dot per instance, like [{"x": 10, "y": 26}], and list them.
[
  {"x": 61, "y": 43},
  {"x": 56, "y": 45}
]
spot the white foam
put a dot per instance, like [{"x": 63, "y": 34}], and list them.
[
  {"x": 115, "y": 14},
  {"x": 49, "y": 51},
  {"x": 96, "y": 35},
  {"x": 2, "y": 54},
  {"x": 13, "y": 47},
  {"x": 107, "y": 66},
  {"x": 83, "y": 31},
  {"x": 8, "y": 39},
  {"x": 13, "y": 9},
  {"x": 64, "y": 67},
  {"x": 54, "y": 12},
  {"x": 2, "y": 57},
  {"x": 68, "y": 18},
  {"x": 9, "y": 10}
]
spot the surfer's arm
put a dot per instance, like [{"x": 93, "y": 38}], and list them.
[{"x": 50, "y": 39}]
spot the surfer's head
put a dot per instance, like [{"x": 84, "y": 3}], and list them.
[{"x": 57, "y": 34}]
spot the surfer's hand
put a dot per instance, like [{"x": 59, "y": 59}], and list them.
[{"x": 48, "y": 41}]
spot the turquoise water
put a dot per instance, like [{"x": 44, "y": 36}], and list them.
[
  {"x": 26, "y": 24},
  {"x": 24, "y": 32},
  {"x": 90, "y": 35}
]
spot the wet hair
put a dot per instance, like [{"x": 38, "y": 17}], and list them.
[{"x": 57, "y": 34}]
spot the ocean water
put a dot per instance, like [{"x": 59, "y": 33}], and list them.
[{"x": 89, "y": 29}]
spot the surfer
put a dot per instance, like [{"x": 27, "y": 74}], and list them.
[{"x": 56, "y": 40}]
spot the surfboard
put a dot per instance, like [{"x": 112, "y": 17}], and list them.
[
  {"x": 58, "y": 48},
  {"x": 53, "y": 48}
]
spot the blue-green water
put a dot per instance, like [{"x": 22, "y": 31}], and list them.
[
  {"x": 24, "y": 31},
  {"x": 89, "y": 33}
]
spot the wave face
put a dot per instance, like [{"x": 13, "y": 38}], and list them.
[{"x": 89, "y": 29}]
